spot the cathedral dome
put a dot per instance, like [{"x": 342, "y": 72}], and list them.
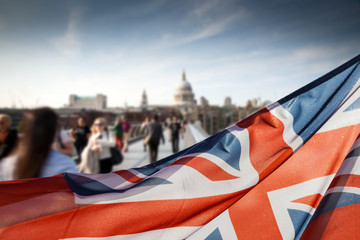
[
  {"x": 183, "y": 93},
  {"x": 184, "y": 85}
]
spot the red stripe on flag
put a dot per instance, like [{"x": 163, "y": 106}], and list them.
[
  {"x": 347, "y": 180},
  {"x": 312, "y": 200},
  {"x": 340, "y": 223},
  {"x": 37, "y": 207},
  {"x": 206, "y": 168},
  {"x": 24, "y": 200},
  {"x": 20, "y": 190},
  {"x": 102, "y": 220}
]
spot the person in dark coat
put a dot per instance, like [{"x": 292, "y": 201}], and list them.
[
  {"x": 174, "y": 136},
  {"x": 80, "y": 135},
  {"x": 156, "y": 133}
]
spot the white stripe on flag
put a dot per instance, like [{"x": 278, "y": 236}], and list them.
[{"x": 289, "y": 135}]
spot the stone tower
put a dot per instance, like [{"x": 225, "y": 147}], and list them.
[{"x": 144, "y": 101}]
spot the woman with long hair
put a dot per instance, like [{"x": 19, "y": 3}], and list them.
[
  {"x": 101, "y": 141},
  {"x": 34, "y": 156}
]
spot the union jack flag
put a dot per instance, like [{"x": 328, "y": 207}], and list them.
[{"x": 289, "y": 171}]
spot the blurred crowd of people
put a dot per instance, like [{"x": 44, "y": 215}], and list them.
[
  {"x": 42, "y": 148},
  {"x": 36, "y": 153}
]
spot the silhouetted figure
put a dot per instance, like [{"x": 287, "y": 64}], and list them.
[
  {"x": 80, "y": 136},
  {"x": 175, "y": 131},
  {"x": 156, "y": 134}
]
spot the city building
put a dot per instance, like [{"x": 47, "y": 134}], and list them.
[
  {"x": 97, "y": 102},
  {"x": 212, "y": 118}
]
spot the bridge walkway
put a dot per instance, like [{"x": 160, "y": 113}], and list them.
[{"x": 138, "y": 157}]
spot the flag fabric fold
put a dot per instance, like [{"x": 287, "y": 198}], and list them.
[{"x": 289, "y": 171}]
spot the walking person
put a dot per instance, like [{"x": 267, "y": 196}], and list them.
[
  {"x": 100, "y": 142},
  {"x": 34, "y": 156},
  {"x": 156, "y": 134},
  {"x": 118, "y": 132},
  {"x": 174, "y": 131},
  {"x": 126, "y": 130},
  {"x": 8, "y": 136},
  {"x": 144, "y": 129},
  {"x": 80, "y": 135}
]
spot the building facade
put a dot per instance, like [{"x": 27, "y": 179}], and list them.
[
  {"x": 212, "y": 118},
  {"x": 97, "y": 102}
]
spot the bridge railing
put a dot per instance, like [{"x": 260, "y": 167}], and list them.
[{"x": 194, "y": 133}]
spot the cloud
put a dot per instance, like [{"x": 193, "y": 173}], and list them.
[
  {"x": 310, "y": 52},
  {"x": 205, "y": 8},
  {"x": 69, "y": 44},
  {"x": 213, "y": 18},
  {"x": 205, "y": 19},
  {"x": 211, "y": 29},
  {"x": 320, "y": 58},
  {"x": 205, "y": 28}
]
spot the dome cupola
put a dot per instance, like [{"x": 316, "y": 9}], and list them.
[{"x": 183, "y": 93}]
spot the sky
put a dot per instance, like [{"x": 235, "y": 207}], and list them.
[{"x": 243, "y": 49}]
